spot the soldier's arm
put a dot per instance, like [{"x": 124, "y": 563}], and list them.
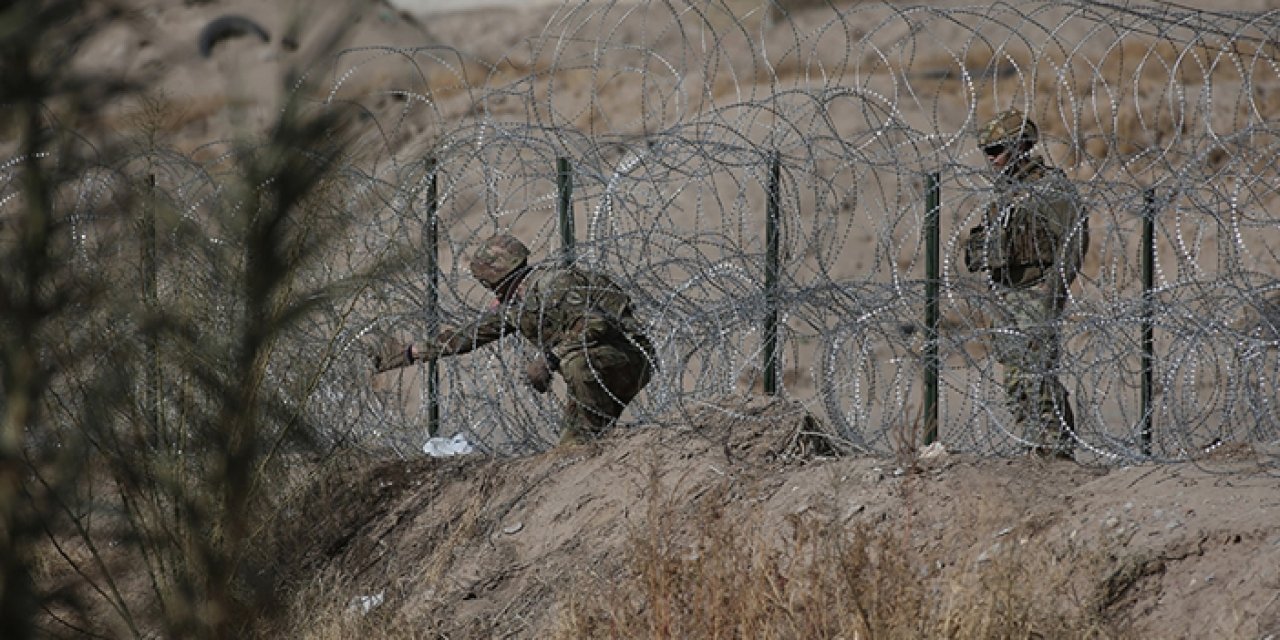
[{"x": 488, "y": 327}]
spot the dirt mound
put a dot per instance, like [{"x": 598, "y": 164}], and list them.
[{"x": 475, "y": 547}]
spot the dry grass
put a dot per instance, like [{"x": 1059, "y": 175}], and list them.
[
  {"x": 368, "y": 616},
  {"x": 719, "y": 576},
  {"x": 342, "y": 581}
]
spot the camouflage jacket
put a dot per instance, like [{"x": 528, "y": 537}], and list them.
[
  {"x": 1035, "y": 221},
  {"x": 561, "y": 310}
]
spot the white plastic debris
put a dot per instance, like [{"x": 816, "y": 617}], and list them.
[
  {"x": 934, "y": 451},
  {"x": 365, "y": 604},
  {"x": 445, "y": 447}
]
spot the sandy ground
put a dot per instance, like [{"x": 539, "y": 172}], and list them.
[{"x": 488, "y": 548}]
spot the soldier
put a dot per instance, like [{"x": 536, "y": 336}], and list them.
[
  {"x": 582, "y": 323},
  {"x": 1031, "y": 243}
]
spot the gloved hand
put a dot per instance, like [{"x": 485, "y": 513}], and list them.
[
  {"x": 975, "y": 249},
  {"x": 538, "y": 374},
  {"x": 394, "y": 355}
]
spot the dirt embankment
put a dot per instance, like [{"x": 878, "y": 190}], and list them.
[{"x": 475, "y": 547}]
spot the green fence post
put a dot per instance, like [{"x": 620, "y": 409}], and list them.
[
  {"x": 564, "y": 187},
  {"x": 933, "y": 199},
  {"x": 771, "y": 235},
  {"x": 1148, "y": 311},
  {"x": 432, "y": 241}
]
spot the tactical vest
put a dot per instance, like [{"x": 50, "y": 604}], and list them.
[
  {"x": 570, "y": 309},
  {"x": 1035, "y": 222}
]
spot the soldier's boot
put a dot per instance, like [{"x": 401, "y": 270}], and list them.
[
  {"x": 571, "y": 438},
  {"x": 579, "y": 425},
  {"x": 1030, "y": 421},
  {"x": 1055, "y": 434},
  {"x": 572, "y": 433}
]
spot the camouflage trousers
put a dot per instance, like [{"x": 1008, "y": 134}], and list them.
[
  {"x": 601, "y": 381},
  {"x": 1028, "y": 346}
]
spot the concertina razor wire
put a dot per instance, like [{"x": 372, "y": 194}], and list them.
[{"x": 669, "y": 113}]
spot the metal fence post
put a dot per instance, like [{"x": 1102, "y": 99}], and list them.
[
  {"x": 564, "y": 187},
  {"x": 1148, "y": 310},
  {"x": 771, "y": 235},
  {"x": 431, "y": 238},
  {"x": 932, "y": 204}
]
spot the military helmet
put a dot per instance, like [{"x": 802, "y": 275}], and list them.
[
  {"x": 1008, "y": 126},
  {"x": 498, "y": 258}
]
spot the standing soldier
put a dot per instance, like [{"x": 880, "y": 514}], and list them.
[
  {"x": 1031, "y": 243},
  {"x": 582, "y": 323}
]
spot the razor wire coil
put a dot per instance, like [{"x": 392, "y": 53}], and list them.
[{"x": 670, "y": 113}]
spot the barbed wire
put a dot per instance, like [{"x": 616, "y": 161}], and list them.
[{"x": 670, "y": 113}]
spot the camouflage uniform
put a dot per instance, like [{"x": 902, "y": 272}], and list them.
[
  {"x": 582, "y": 322},
  {"x": 1031, "y": 243}
]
